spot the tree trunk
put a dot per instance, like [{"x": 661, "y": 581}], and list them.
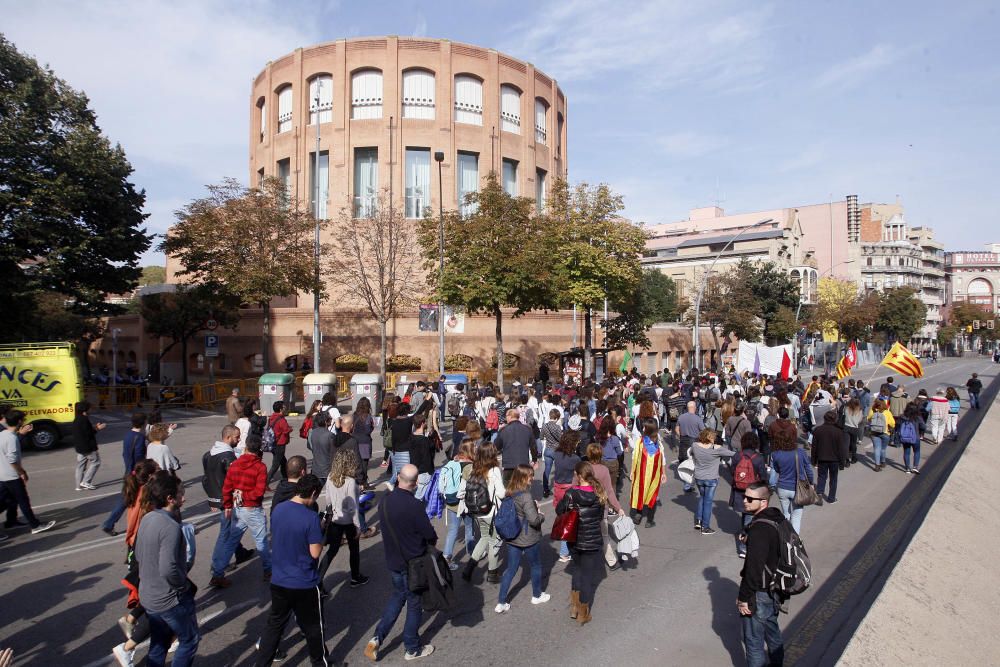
[
  {"x": 384, "y": 352},
  {"x": 265, "y": 338},
  {"x": 499, "y": 319},
  {"x": 588, "y": 355},
  {"x": 184, "y": 361}
]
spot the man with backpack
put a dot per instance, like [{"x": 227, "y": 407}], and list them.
[
  {"x": 757, "y": 602},
  {"x": 278, "y": 438},
  {"x": 455, "y": 401}
]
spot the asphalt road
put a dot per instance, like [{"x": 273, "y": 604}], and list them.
[{"x": 60, "y": 591}]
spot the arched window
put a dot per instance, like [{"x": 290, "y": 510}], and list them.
[
  {"x": 468, "y": 100},
  {"x": 321, "y": 98},
  {"x": 284, "y": 109},
  {"x": 541, "y": 109},
  {"x": 262, "y": 117},
  {"x": 366, "y": 94},
  {"x": 418, "y": 94},
  {"x": 510, "y": 109}
]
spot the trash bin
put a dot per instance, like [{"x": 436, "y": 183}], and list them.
[
  {"x": 368, "y": 385},
  {"x": 273, "y": 387},
  {"x": 404, "y": 380},
  {"x": 453, "y": 379},
  {"x": 315, "y": 386}
]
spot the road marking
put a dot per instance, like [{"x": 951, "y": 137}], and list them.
[{"x": 78, "y": 499}]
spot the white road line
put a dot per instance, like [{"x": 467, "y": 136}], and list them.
[{"x": 77, "y": 499}]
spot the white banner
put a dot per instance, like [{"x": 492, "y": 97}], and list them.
[{"x": 770, "y": 357}]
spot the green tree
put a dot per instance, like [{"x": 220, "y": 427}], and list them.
[
  {"x": 70, "y": 219},
  {"x": 598, "y": 251},
  {"x": 772, "y": 288},
  {"x": 153, "y": 275},
  {"x": 375, "y": 259},
  {"x": 182, "y": 314},
  {"x": 654, "y": 301},
  {"x": 253, "y": 243},
  {"x": 498, "y": 256},
  {"x": 784, "y": 326},
  {"x": 842, "y": 312},
  {"x": 727, "y": 308},
  {"x": 901, "y": 313}
]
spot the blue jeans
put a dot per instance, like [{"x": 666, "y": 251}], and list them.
[
  {"x": 703, "y": 512},
  {"x": 253, "y": 518},
  {"x": 761, "y": 628},
  {"x": 414, "y": 612},
  {"x": 533, "y": 554},
  {"x": 229, "y": 538},
  {"x": 880, "y": 442},
  {"x": 180, "y": 621},
  {"x": 974, "y": 400},
  {"x": 916, "y": 454},
  {"x": 399, "y": 459},
  {"x": 792, "y": 512},
  {"x": 116, "y": 513},
  {"x": 454, "y": 523},
  {"x": 547, "y": 474}
]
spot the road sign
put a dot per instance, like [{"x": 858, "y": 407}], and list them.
[
  {"x": 211, "y": 345},
  {"x": 211, "y": 325}
]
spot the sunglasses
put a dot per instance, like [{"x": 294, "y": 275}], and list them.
[{"x": 750, "y": 499}]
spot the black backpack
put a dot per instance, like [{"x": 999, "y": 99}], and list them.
[
  {"x": 753, "y": 414},
  {"x": 794, "y": 571},
  {"x": 477, "y": 497}
]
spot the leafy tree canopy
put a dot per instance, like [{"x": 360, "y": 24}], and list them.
[
  {"x": 655, "y": 301},
  {"x": 901, "y": 313}
]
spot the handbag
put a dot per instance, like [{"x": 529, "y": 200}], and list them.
[
  {"x": 564, "y": 528},
  {"x": 805, "y": 492}
]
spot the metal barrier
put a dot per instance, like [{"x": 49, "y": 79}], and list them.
[{"x": 116, "y": 398}]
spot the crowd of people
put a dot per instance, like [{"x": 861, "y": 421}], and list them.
[{"x": 764, "y": 435}]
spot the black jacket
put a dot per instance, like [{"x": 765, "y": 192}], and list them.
[
  {"x": 763, "y": 544},
  {"x": 829, "y": 445},
  {"x": 588, "y": 533},
  {"x": 215, "y": 463},
  {"x": 84, "y": 435}
]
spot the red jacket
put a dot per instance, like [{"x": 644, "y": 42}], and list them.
[
  {"x": 248, "y": 474},
  {"x": 282, "y": 431}
]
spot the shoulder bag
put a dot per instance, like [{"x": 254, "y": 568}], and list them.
[
  {"x": 805, "y": 492},
  {"x": 564, "y": 528}
]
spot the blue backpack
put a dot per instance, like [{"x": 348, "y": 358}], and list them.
[
  {"x": 507, "y": 523},
  {"x": 908, "y": 433}
]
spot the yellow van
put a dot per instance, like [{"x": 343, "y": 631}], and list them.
[{"x": 44, "y": 380}]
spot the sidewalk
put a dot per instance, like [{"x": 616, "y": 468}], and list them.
[{"x": 936, "y": 607}]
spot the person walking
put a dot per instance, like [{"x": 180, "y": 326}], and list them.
[
  {"x": 707, "y": 455},
  {"x": 748, "y": 467},
  {"x": 234, "y": 409},
  {"x": 401, "y": 432},
  {"x": 320, "y": 442},
  {"x": 165, "y": 591},
  {"x": 295, "y": 584},
  {"x": 455, "y": 475},
  {"x": 243, "y": 497},
  {"x": 954, "y": 407},
  {"x": 829, "y": 455},
  {"x": 974, "y": 386},
  {"x": 159, "y": 451},
  {"x": 340, "y": 498},
  {"x": 215, "y": 464},
  {"x": 648, "y": 473},
  {"x": 854, "y": 422},
  {"x": 755, "y": 603},
  {"x": 590, "y": 500},
  {"x": 362, "y": 429},
  {"x": 880, "y": 425},
  {"x": 564, "y": 461},
  {"x": 938, "y": 416},
  {"x": 595, "y": 456},
  {"x": 551, "y": 435},
  {"x": 133, "y": 451},
  {"x": 527, "y": 544},
  {"x": 407, "y": 532},
  {"x": 789, "y": 463},
  {"x": 909, "y": 437},
  {"x": 14, "y": 477},
  {"x": 88, "y": 460},
  {"x": 249, "y": 424},
  {"x": 483, "y": 492},
  {"x": 282, "y": 435},
  {"x": 515, "y": 444}
]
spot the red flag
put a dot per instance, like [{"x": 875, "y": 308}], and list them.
[{"x": 786, "y": 365}]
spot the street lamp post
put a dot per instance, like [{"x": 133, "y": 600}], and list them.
[
  {"x": 316, "y": 332},
  {"x": 696, "y": 334},
  {"x": 439, "y": 158}
]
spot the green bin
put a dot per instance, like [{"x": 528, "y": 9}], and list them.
[{"x": 274, "y": 387}]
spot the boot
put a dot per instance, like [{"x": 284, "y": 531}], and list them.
[
  {"x": 493, "y": 576},
  {"x": 574, "y": 604},
  {"x": 470, "y": 567},
  {"x": 584, "y": 616}
]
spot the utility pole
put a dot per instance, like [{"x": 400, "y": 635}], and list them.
[
  {"x": 316, "y": 191},
  {"x": 439, "y": 158}
]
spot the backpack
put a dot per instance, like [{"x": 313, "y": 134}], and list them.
[
  {"x": 745, "y": 474},
  {"x": 508, "y": 524},
  {"x": 268, "y": 439},
  {"x": 753, "y": 414},
  {"x": 878, "y": 423},
  {"x": 673, "y": 413},
  {"x": 477, "y": 497},
  {"x": 908, "y": 433},
  {"x": 492, "y": 420},
  {"x": 451, "y": 482},
  {"x": 794, "y": 572},
  {"x": 305, "y": 428},
  {"x": 454, "y": 404},
  {"x": 712, "y": 421}
]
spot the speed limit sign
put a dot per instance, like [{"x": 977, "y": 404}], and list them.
[{"x": 211, "y": 325}]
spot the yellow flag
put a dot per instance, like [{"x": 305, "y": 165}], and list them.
[{"x": 902, "y": 361}]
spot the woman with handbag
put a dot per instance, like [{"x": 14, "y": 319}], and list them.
[
  {"x": 564, "y": 462},
  {"x": 790, "y": 465},
  {"x": 599, "y": 464},
  {"x": 587, "y": 500}
]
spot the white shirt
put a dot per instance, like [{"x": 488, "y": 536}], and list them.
[
  {"x": 10, "y": 454},
  {"x": 334, "y": 417}
]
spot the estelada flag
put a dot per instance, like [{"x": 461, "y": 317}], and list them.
[
  {"x": 849, "y": 361},
  {"x": 902, "y": 361}
]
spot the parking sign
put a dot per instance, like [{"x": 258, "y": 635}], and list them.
[{"x": 211, "y": 345}]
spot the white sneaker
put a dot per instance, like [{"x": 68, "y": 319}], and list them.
[
  {"x": 124, "y": 658},
  {"x": 42, "y": 528},
  {"x": 502, "y": 607},
  {"x": 89, "y": 487},
  {"x": 565, "y": 559},
  {"x": 425, "y": 651},
  {"x": 541, "y": 599}
]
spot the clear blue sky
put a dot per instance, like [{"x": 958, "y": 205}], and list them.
[{"x": 674, "y": 104}]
